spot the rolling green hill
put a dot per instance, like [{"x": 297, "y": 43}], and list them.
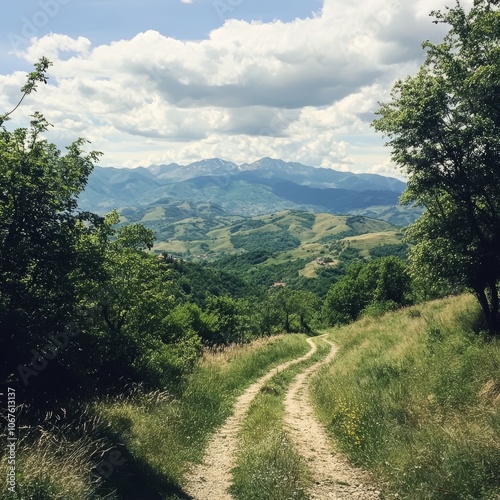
[{"x": 290, "y": 245}]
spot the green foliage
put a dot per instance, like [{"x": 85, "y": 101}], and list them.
[
  {"x": 330, "y": 238},
  {"x": 229, "y": 321},
  {"x": 275, "y": 241},
  {"x": 349, "y": 254},
  {"x": 65, "y": 272},
  {"x": 243, "y": 262},
  {"x": 377, "y": 309},
  {"x": 135, "y": 237},
  {"x": 247, "y": 225},
  {"x": 444, "y": 131},
  {"x": 306, "y": 219},
  {"x": 261, "y": 277},
  {"x": 132, "y": 303},
  {"x": 400, "y": 251},
  {"x": 197, "y": 282},
  {"x": 266, "y": 276},
  {"x": 326, "y": 276},
  {"x": 379, "y": 285},
  {"x": 287, "y": 310},
  {"x": 33, "y": 78},
  {"x": 46, "y": 245}
]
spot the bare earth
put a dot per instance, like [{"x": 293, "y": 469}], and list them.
[
  {"x": 334, "y": 478},
  {"x": 211, "y": 479}
]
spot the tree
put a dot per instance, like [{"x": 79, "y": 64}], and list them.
[
  {"x": 285, "y": 309},
  {"x": 284, "y": 301},
  {"x": 45, "y": 242},
  {"x": 308, "y": 305},
  {"x": 69, "y": 275},
  {"x": 443, "y": 127},
  {"x": 384, "y": 282},
  {"x": 228, "y": 320}
]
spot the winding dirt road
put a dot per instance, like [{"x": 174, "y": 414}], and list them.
[
  {"x": 211, "y": 479},
  {"x": 334, "y": 478}
]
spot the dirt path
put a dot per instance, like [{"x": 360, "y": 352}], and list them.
[
  {"x": 211, "y": 479},
  {"x": 334, "y": 478}
]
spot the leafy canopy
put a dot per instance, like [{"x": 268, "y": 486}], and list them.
[{"x": 443, "y": 127}]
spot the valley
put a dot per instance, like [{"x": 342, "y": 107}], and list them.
[{"x": 303, "y": 249}]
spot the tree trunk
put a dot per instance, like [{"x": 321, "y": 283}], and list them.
[
  {"x": 494, "y": 325},
  {"x": 490, "y": 308},
  {"x": 287, "y": 323}
]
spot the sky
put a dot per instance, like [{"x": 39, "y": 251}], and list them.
[{"x": 177, "y": 81}]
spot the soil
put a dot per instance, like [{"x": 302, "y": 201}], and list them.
[
  {"x": 334, "y": 478},
  {"x": 212, "y": 478}
]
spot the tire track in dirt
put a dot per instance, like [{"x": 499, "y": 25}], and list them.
[
  {"x": 334, "y": 477},
  {"x": 211, "y": 479}
]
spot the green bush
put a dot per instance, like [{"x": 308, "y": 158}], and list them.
[{"x": 382, "y": 285}]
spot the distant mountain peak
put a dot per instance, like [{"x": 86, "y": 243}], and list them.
[
  {"x": 212, "y": 163},
  {"x": 263, "y": 186}
]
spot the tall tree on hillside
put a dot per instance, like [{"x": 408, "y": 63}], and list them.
[{"x": 443, "y": 127}]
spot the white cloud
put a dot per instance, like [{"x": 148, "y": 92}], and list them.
[
  {"x": 55, "y": 46},
  {"x": 302, "y": 91}
]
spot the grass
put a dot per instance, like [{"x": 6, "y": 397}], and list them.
[
  {"x": 57, "y": 462},
  {"x": 139, "y": 445},
  {"x": 365, "y": 242},
  {"x": 415, "y": 397},
  {"x": 329, "y": 224},
  {"x": 168, "y": 435},
  {"x": 268, "y": 465},
  {"x": 156, "y": 213}
]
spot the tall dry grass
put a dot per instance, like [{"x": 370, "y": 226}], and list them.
[{"x": 57, "y": 459}]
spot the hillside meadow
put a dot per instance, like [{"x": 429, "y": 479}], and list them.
[{"x": 414, "y": 396}]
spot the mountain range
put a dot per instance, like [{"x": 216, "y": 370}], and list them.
[{"x": 265, "y": 186}]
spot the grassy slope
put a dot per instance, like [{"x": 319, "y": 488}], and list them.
[
  {"x": 415, "y": 396},
  {"x": 153, "y": 436}
]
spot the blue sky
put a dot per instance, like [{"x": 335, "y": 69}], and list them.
[
  {"x": 181, "y": 80},
  {"x": 105, "y": 21}
]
